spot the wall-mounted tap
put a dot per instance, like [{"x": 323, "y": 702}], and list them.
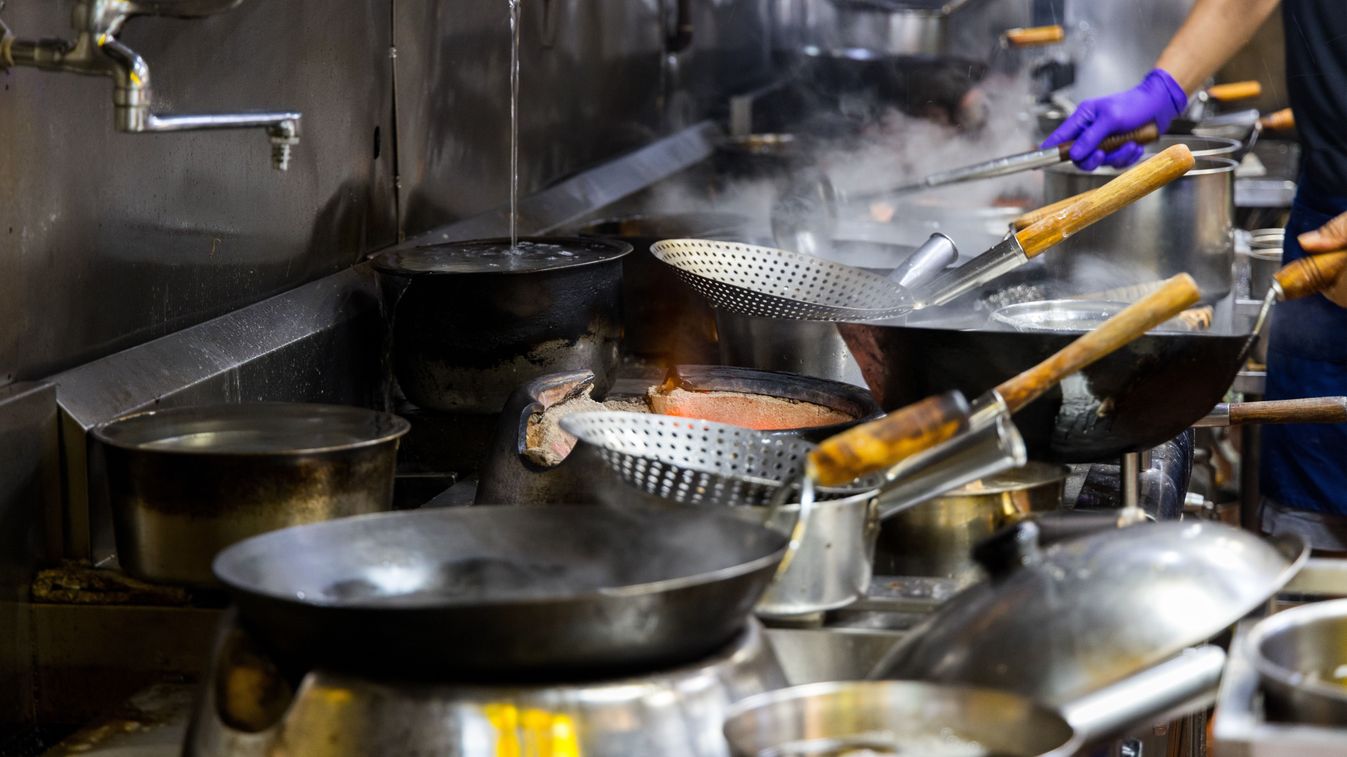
[{"x": 96, "y": 51}]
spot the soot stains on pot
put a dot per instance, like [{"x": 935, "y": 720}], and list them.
[{"x": 472, "y": 325}]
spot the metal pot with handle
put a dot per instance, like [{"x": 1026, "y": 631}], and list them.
[
  {"x": 937, "y": 539},
  {"x": 185, "y": 483}
]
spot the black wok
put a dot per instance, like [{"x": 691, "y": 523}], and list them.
[
  {"x": 1134, "y": 399},
  {"x": 1142, "y": 395},
  {"x": 503, "y": 593}
]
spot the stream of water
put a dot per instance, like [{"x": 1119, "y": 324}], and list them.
[{"x": 514, "y": 120}]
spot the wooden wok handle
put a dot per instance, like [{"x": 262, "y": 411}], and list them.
[
  {"x": 1033, "y": 36},
  {"x": 1136, "y": 319},
  {"x": 1282, "y": 120},
  {"x": 1313, "y": 410},
  {"x": 1235, "y": 90},
  {"x": 882, "y": 443},
  {"x": 1143, "y": 136},
  {"x": 1122, "y": 191},
  {"x": 1311, "y": 274}
]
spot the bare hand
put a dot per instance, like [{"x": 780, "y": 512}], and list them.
[{"x": 1331, "y": 237}]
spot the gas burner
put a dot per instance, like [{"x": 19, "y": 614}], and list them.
[
  {"x": 248, "y": 706},
  {"x": 510, "y": 475}
]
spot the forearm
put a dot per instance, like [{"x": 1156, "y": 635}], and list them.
[{"x": 1214, "y": 31}]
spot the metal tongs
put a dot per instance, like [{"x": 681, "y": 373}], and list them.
[{"x": 807, "y": 210}]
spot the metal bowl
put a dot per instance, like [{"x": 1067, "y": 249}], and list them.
[
  {"x": 937, "y": 538},
  {"x": 895, "y": 717},
  {"x": 1301, "y": 657},
  {"x": 1071, "y": 316}
]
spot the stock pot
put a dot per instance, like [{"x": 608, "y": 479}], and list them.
[
  {"x": 473, "y": 320},
  {"x": 1186, "y": 226}
]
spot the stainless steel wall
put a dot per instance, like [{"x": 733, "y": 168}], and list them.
[
  {"x": 108, "y": 240},
  {"x": 595, "y": 81}
]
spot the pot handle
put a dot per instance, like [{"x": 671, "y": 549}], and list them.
[
  {"x": 1309, "y": 410},
  {"x": 1034, "y": 36},
  {"x": 1123, "y": 190},
  {"x": 1235, "y": 90},
  {"x": 1282, "y": 120},
  {"x": 1179, "y": 685}
]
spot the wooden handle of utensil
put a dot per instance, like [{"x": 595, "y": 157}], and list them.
[
  {"x": 1123, "y": 190},
  {"x": 1311, "y": 274},
  {"x": 1235, "y": 90},
  {"x": 1312, "y": 410},
  {"x": 1034, "y": 216},
  {"x": 1282, "y": 120},
  {"x": 882, "y": 443},
  {"x": 1136, "y": 319},
  {"x": 1032, "y": 36},
  {"x": 1143, "y": 136}
]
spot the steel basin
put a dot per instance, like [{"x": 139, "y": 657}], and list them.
[
  {"x": 1299, "y": 654},
  {"x": 1186, "y": 226}
]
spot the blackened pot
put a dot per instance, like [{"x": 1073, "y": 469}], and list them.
[
  {"x": 509, "y": 476},
  {"x": 664, "y": 318},
  {"x": 473, "y": 320}
]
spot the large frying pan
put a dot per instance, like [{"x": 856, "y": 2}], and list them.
[
  {"x": 503, "y": 593},
  {"x": 1141, "y": 395}
]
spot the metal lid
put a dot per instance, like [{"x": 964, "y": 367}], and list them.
[
  {"x": 252, "y": 428},
  {"x": 528, "y": 255},
  {"x": 1090, "y": 612}
]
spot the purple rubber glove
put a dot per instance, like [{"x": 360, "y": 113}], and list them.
[{"x": 1158, "y": 98}]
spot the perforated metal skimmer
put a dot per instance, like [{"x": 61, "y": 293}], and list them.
[
  {"x": 771, "y": 283},
  {"x": 694, "y": 461}
]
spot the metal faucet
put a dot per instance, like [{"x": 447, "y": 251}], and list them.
[{"x": 96, "y": 51}]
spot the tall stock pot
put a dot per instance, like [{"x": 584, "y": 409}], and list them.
[{"x": 1186, "y": 226}]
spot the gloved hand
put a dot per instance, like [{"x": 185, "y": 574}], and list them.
[
  {"x": 1331, "y": 237},
  {"x": 1158, "y": 98}
]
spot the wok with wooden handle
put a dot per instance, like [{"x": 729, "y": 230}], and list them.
[{"x": 877, "y": 445}]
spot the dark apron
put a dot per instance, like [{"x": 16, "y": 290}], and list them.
[{"x": 1304, "y": 467}]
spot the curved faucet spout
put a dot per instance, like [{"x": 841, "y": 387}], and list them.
[{"x": 97, "y": 52}]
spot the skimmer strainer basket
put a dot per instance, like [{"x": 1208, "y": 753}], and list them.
[
  {"x": 697, "y": 462},
  {"x": 771, "y": 283}
]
